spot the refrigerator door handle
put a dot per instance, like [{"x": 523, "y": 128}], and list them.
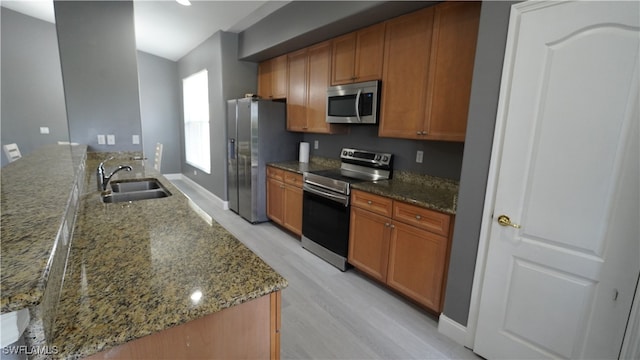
[{"x": 232, "y": 148}]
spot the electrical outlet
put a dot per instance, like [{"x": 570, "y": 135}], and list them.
[
  {"x": 101, "y": 140},
  {"x": 195, "y": 172},
  {"x": 111, "y": 139},
  {"x": 419, "y": 155},
  {"x": 44, "y": 130},
  {"x": 316, "y": 145},
  {"x": 136, "y": 139}
]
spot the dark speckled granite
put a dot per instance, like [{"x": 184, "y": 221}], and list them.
[
  {"x": 422, "y": 190},
  {"x": 315, "y": 164},
  {"x": 142, "y": 267}
]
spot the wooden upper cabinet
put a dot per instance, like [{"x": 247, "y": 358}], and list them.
[
  {"x": 297, "y": 90},
  {"x": 453, "y": 54},
  {"x": 309, "y": 72},
  {"x": 427, "y": 73},
  {"x": 404, "y": 77},
  {"x": 272, "y": 78},
  {"x": 357, "y": 56}
]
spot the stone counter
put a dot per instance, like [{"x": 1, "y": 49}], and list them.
[
  {"x": 422, "y": 190},
  {"x": 142, "y": 267}
]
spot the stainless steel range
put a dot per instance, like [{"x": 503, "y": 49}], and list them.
[{"x": 326, "y": 207}]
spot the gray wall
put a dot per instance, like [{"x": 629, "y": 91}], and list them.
[
  {"x": 32, "y": 92},
  {"x": 302, "y": 23},
  {"x": 494, "y": 21},
  {"x": 98, "y": 56},
  {"x": 160, "y": 109},
  {"x": 228, "y": 79},
  {"x": 440, "y": 158}
]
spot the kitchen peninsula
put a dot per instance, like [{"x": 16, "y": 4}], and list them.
[{"x": 146, "y": 278}]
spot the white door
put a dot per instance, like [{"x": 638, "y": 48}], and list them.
[{"x": 559, "y": 283}]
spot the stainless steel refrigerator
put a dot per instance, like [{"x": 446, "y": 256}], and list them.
[{"x": 256, "y": 135}]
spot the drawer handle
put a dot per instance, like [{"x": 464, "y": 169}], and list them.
[
  {"x": 418, "y": 217},
  {"x": 369, "y": 202}
]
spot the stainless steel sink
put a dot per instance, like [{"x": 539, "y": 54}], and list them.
[
  {"x": 135, "y": 190},
  {"x": 135, "y": 196},
  {"x": 122, "y": 186}
]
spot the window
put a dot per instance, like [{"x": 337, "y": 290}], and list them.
[{"x": 195, "y": 93}]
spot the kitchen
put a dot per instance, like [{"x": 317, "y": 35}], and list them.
[{"x": 442, "y": 159}]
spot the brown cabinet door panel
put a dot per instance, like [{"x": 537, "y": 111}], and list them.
[
  {"x": 318, "y": 80},
  {"x": 369, "y": 53},
  {"x": 377, "y": 204},
  {"x": 343, "y": 59},
  {"x": 275, "y": 200},
  {"x": 369, "y": 243},
  {"x": 292, "y": 218},
  {"x": 416, "y": 264},
  {"x": 453, "y": 53},
  {"x": 297, "y": 90},
  {"x": 264, "y": 79},
  {"x": 279, "y": 77},
  {"x": 405, "y": 73}
]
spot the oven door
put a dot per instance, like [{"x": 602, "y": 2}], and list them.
[{"x": 325, "y": 219}]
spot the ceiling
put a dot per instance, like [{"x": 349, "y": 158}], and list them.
[{"x": 167, "y": 29}]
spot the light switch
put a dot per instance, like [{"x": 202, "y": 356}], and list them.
[
  {"x": 101, "y": 140},
  {"x": 44, "y": 130},
  {"x": 136, "y": 139},
  {"x": 419, "y": 155},
  {"x": 111, "y": 139}
]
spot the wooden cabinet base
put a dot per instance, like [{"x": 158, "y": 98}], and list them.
[{"x": 246, "y": 331}]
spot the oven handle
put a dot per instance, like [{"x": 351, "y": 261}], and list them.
[{"x": 344, "y": 200}]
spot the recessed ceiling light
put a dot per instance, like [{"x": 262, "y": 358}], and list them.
[{"x": 184, "y": 2}]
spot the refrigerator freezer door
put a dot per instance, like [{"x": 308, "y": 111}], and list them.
[
  {"x": 246, "y": 171},
  {"x": 232, "y": 158}
]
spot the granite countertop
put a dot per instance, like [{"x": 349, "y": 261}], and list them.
[
  {"x": 34, "y": 192},
  {"x": 315, "y": 164},
  {"x": 422, "y": 190},
  {"x": 142, "y": 267}
]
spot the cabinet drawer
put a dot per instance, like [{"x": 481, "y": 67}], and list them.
[
  {"x": 377, "y": 204},
  {"x": 274, "y": 173},
  {"x": 293, "y": 179},
  {"x": 429, "y": 220}
]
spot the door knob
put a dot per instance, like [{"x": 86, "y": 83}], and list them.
[{"x": 504, "y": 220}]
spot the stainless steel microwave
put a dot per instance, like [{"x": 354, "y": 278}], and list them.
[{"x": 353, "y": 103}]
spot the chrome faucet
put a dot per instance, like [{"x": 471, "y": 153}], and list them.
[{"x": 103, "y": 180}]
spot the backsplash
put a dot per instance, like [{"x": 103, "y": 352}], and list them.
[{"x": 440, "y": 158}]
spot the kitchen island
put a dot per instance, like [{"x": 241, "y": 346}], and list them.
[{"x": 151, "y": 279}]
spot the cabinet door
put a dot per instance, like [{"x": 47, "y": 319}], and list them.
[
  {"x": 292, "y": 219},
  {"x": 297, "y": 90},
  {"x": 405, "y": 73},
  {"x": 343, "y": 59},
  {"x": 455, "y": 32},
  {"x": 369, "y": 243},
  {"x": 369, "y": 53},
  {"x": 279, "y": 77},
  {"x": 318, "y": 81},
  {"x": 416, "y": 264},
  {"x": 264, "y": 79},
  {"x": 275, "y": 200}
]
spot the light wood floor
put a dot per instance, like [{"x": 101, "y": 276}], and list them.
[{"x": 328, "y": 314}]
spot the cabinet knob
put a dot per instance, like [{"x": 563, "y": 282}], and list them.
[
  {"x": 281, "y": 186},
  {"x": 393, "y": 226},
  {"x": 418, "y": 217},
  {"x": 386, "y": 224},
  {"x": 369, "y": 202},
  {"x": 418, "y": 132}
]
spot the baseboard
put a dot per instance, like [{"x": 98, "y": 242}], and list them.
[
  {"x": 201, "y": 191},
  {"x": 453, "y": 330}
]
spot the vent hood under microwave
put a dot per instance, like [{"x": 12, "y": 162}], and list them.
[{"x": 353, "y": 103}]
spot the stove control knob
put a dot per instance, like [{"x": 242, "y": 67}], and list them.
[
  {"x": 377, "y": 157},
  {"x": 344, "y": 153},
  {"x": 350, "y": 153},
  {"x": 385, "y": 158}
]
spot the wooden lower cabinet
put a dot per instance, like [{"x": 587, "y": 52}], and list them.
[
  {"x": 408, "y": 253},
  {"x": 247, "y": 331},
  {"x": 416, "y": 264},
  {"x": 369, "y": 243},
  {"x": 284, "y": 199}
]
